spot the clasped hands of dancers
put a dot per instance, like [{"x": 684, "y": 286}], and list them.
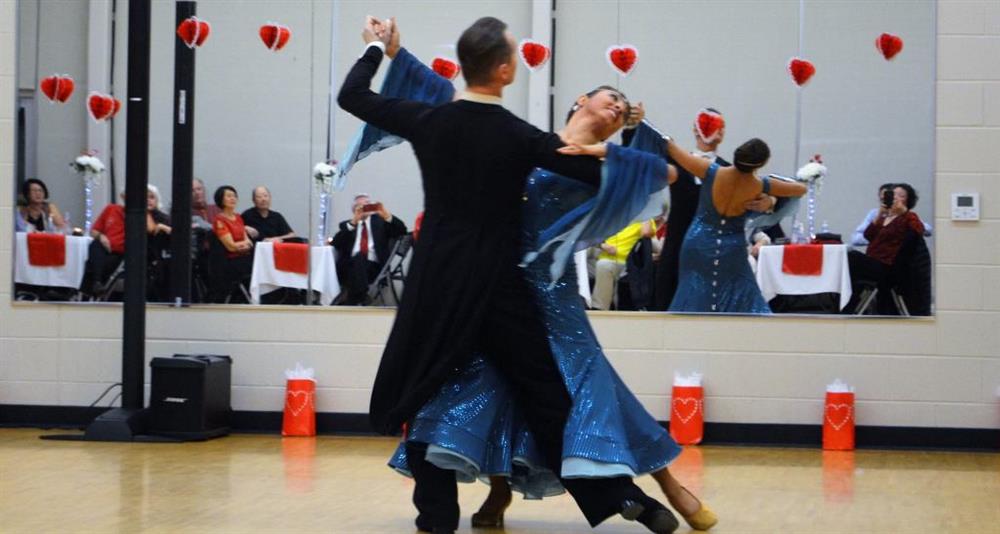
[{"x": 491, "y": 362}]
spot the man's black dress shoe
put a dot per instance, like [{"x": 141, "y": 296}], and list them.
[{"x": 651, "y": 514}]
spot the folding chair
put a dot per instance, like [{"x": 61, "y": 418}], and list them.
[{"x": 391, "y": 272}]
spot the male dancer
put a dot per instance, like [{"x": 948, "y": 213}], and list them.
[{"x": 465, "y": 291}]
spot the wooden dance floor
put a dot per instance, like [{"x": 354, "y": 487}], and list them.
[{"x": 263, "y": 483}]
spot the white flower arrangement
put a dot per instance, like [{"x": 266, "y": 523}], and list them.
[
  {"x": 87, "y": 164},
  {"x": 324, "y": 172},
  {"x": 812, "y": 173}
]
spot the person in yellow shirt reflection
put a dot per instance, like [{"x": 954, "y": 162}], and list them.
[{"x": 611, "y": 261}]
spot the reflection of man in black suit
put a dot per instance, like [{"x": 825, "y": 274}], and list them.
[
  {"x": 464, "y": 290},
  {"x": 362, "y": 246}
]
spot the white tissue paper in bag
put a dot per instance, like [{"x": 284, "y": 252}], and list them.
[
  {"x": 839, "y": 386},
  {"x": 692, "y": 380},
  {"x": 300, "y": 373}
]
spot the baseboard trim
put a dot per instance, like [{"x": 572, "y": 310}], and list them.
[{"x": 751, "y": 434}]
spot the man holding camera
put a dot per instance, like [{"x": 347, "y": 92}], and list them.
[{"x": 362, "y": 246}]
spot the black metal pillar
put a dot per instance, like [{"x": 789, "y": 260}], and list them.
[
  {"x": 136, "y": 182},
  {"x": 180, "y": 211},
  {"x": 125, "y": 423}
]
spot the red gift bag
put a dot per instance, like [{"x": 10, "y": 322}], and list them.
[
  {"x": 46, "y": 250},
  {"x": 300, "y": 408},
  {"x": 838, "y": 421},
  {"x": 687, "y": 415}
]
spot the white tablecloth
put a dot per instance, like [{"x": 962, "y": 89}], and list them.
[
  {"x": 266, "y": 278},
  {"x": 835, "y": 277},
  {"x": 69, "y": 275}
]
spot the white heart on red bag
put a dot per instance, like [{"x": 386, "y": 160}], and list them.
[
  {"x": 57, "y": 88},
  {"x": 889, "y": 45},
  {"x": 801, "y": 70},
  {"x": 839, "y": 415},
  {"x": 193, "y": 31},
  {"x": 102, "y": 106},
  {"x": 533, "y": 54},
  {"x": 296, "y": 401},
  {"x": 622, "y": 58},
  {"x": 709, "y": 125},
  {"x": 446, "y": 67},
  {"x": 686, "y": 408},
  {"x": 275, "y": 36}
]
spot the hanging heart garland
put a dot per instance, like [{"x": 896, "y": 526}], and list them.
[
  {"x": 889, "y": 45},
  {"x": 800, "y": 70},
  {"x": 193, "y": 31},
  {"x": 709, "y": 125},
  {"x": 447, "y": 68},
  {"x": 622, "y": 58},
  {"x": 57, "y": 88},
  {"x": 275, "y": 36},
  {"x": 534, "y": 54},
  {"x": 102, "y": 107}
]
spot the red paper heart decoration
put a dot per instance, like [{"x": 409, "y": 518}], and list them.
[
  {"x": 57, "y": 88},
  {"x": 709, "y": 125},
  {"x": 102, "y": 106},
  {"x": 533, "y": 54},
  {"x": 446, "y": 68},
  {"x": 623, "y": 58},
  {"x": 275, "y": 36},
  {"x": 889, "y": 45},
  {"x": 193, "y": 31},
  {"x": 801, "y": 70}
]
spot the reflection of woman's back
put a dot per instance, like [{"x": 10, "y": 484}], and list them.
[{"x": 715, "y": 274}]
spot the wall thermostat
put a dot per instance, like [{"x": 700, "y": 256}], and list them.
[{"x": 965, "y": 206}]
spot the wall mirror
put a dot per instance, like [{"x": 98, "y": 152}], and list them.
[{"x": 264, "y": 116}]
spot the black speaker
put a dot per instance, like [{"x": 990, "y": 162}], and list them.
[{"x": 189, "y": 397}]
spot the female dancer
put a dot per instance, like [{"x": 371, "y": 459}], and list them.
[
  {"x": 473, "y": 427},
  {"x": 714, "y": 273}
]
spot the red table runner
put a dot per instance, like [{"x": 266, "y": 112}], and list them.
[
  {"x": 46, "y": 250},
  {"x": 291, "y": 257},
  {"x": 802, "y": 260}
]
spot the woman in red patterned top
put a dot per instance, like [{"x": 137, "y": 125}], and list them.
[
  {"x": 231, "y": 231},
  {"x": 886, "y": 235}
]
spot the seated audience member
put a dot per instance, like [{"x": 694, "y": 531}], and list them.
[
  {"x": 611, "y": 261},
  {"x": 158, "y": 246},
  {"x": 202, "y": 213},
  {"x": 886, "y": 235},
  {"x": 267, "y": 224},
  {"x": 108, "y": 247},
  {"x": 858, "y": 237},
  {"x": 40, "y": 214},
  {"x": 362, "y": 246},
  {"x": 20, "y": 225},
  {"x": 231, "y": 231}
]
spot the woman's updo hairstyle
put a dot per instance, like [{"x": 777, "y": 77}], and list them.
[
  {"x": 751, "y": 155},
  {"x": 628, "y": 105}
]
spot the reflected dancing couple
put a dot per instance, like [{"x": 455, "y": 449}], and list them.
[{"x": 491, "y": 360}]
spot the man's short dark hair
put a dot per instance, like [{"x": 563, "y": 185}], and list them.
[{"x": 482, "y": 47}]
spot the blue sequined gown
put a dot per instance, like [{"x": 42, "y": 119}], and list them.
[
  {"x": 715, "y": 275},
  {"x": 473, "y": 425}
]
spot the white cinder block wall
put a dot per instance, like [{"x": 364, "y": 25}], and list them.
[{"x": 939, "y": 372}]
